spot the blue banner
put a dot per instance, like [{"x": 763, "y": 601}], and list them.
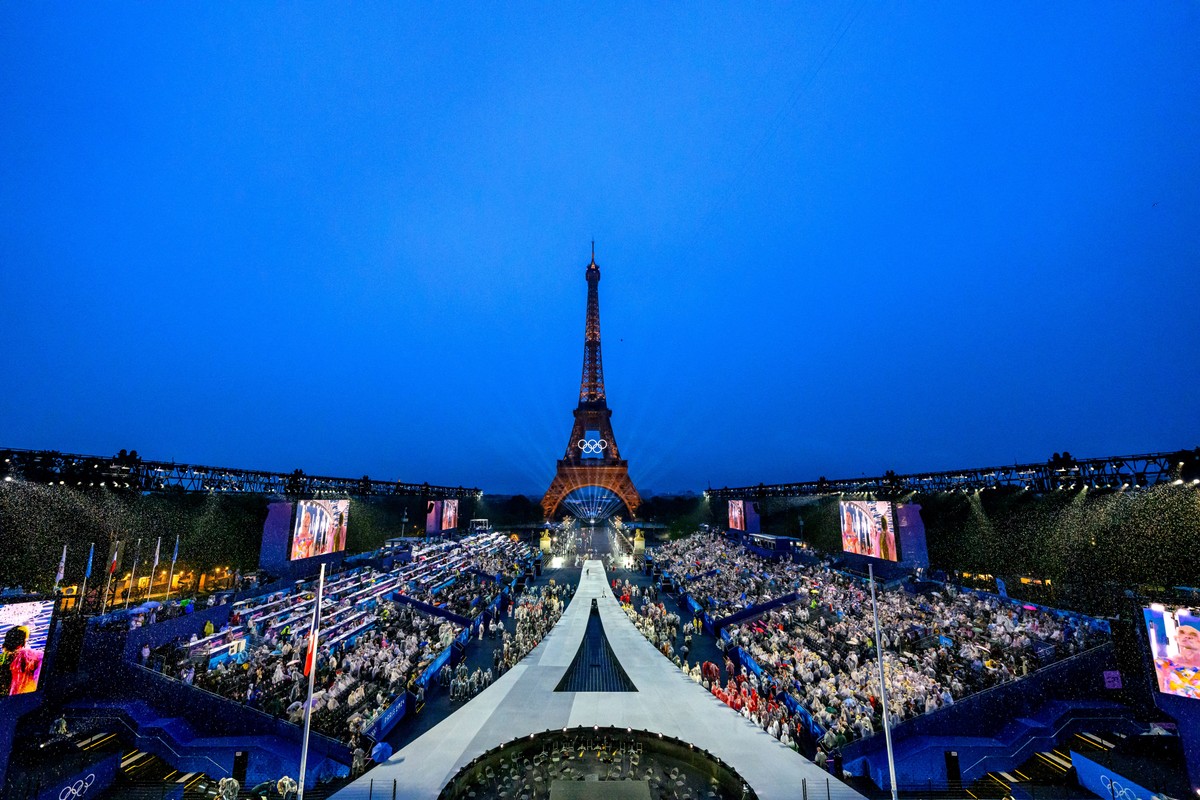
[
  {"x": 432, "y": 670},
  {"x": 382, "y": 726},
  {"x": 88, "y": 782},
  {"x": 436, "y": 611},
  {"x": 1104, "y": 782}
]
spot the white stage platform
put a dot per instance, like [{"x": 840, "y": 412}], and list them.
[{"x": 523, "y": 701}]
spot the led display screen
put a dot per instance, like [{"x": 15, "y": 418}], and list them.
[
  {"x": 433, "y": 517},
  {"x": 1175, "y": 646},
  {"x": 449, "y": 514},
  {"x": 737, "y": 515},
  {"x": 320, "y": 528},
  {"x": 911, "y": 533},
  {"x": 753, "y": 521},
  {"x": 868, "y": 528},
  {"x": 24, "y": 629},
  {"x": 277, "y": 536}
]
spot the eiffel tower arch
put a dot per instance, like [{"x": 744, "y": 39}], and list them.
[{"x": 592, "y": 458}]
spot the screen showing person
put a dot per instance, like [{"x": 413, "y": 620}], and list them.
[
  {"x": 320, "y": 528},
  {"x": 449, "y": 514},
  {"x": 868, "y": 528},
  {"x": 737, "y": 515},
  {"x": 24, "y": 628},
  {"x": 1175, "y": 646}
]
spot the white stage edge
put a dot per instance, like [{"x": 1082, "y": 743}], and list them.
[{"x": 523, "y": 701}]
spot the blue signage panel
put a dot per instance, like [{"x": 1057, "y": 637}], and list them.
[{"x": 1103, "y": 782}]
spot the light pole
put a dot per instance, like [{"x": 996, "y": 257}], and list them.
[{"x": 887, "y": 728}]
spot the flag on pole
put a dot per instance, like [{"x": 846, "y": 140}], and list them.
[
  {"x": 88, "y": 572},
  {"x": 171, "y": 577},
  {"x": 157, "y": 545},
  {"x": 62, "y": 567},
  {"x": 310, "y": 670},
  {"x": 310, "y": 656},
  {"x": 116, "y": 556}
]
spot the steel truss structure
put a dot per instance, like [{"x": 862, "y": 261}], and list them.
[
  {"x": 1063, "y": 472},
  {"x": 592, "y": 461},
  {"x": 128, "y": 472}
]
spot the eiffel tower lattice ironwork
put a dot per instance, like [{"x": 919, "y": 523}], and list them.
[{"x": 592, "y": 458}]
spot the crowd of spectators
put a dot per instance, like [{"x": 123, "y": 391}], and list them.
[
  {"x": 722, "y": 576},
  {"x": 534, "y": 613},
  {"x": 507, "y": 560},
  {"x": 371, "y": 651},
  {"x": 467, "y": 596},
  {"x": 939, "y": 646},
  {"x": 672, "y": 636},
  {"x": 356, "y": 679},
  {"x": 759, "y": 702}
]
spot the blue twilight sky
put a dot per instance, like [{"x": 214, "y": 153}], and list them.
[{"x": 835, "y": 239}]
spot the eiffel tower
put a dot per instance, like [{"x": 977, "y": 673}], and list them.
[{"x": 592, "y": 458}]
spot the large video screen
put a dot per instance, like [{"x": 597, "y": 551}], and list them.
[
  {"x": 737, "y": 515},
  {"x": 911, "y": 535},
  {"x": 24, "y": 629},
  {"x": 868, "y": 528},
  {"x": 449, "y": 514},
  {"x": 433, "y": 517},
  {"x": 753, "y": 521},
  {"x": 1175, "y": 647},
  {"x": 277, "y": 536},
  {"x": 320, "y": 528}
]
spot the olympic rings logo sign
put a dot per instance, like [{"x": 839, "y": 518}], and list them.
[
  {"x": 76, "y": 790},
  {"x": 592, "y": 445},
  {"x": 1116, "y": 790}
]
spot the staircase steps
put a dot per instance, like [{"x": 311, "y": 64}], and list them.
[
  {"x": 96, "y": 741},
  {"x": 1090, "y": 742},
  {"x": 145, "y": 776},
  {"x": 1044, "y": 769}
]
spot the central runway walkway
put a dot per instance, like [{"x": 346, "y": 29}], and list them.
[{"x": 523, "y": 701}]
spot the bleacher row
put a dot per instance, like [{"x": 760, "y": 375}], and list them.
[
  {"x": 292, "y": 610},
  {"x": 804, "y": 632},
  {"x": 379, "y": 630}
]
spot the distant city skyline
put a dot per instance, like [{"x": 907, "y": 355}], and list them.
[{"x": 835, "y": 240}]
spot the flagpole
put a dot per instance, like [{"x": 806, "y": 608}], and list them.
[
  {"x": 112, "y": 567},
  {"x": 87, "y": 573},
  {"x": 171, "y": 577},
  {"x": 62, "y": 566},
  {"x": 312, "y": 677},
  {"x": 137, "y": 551},
  {"x": 887, "y": 727},
  {"x": 157, "y": 548}
]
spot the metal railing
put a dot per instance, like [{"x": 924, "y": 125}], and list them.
[
  {"x": 329, "y": 740},
  {"x": 139, "y": 736}
]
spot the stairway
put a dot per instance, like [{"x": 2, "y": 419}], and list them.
[
  {"x": 1048, "y": 768},
  {"x": 145, "y": 776}
]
